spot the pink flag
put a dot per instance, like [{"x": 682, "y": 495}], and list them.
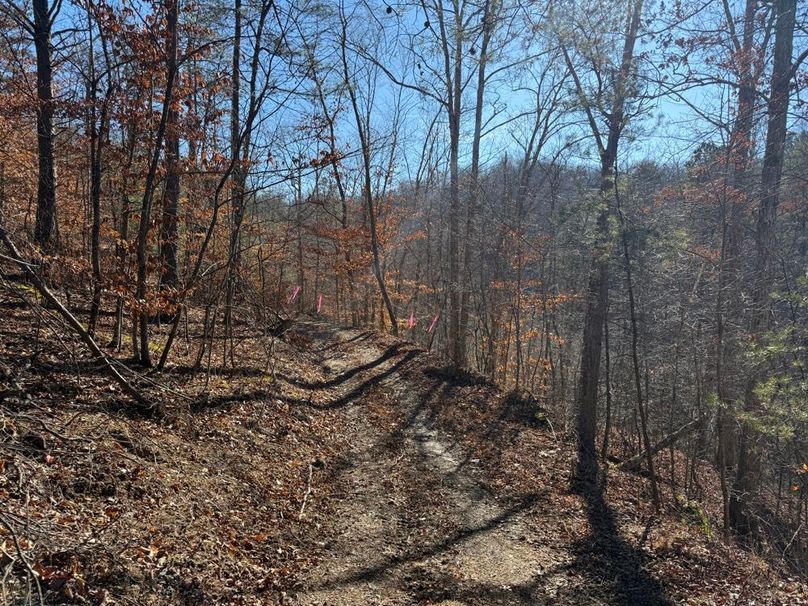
[
  {"x": 411, "y": 321},
  {"x": 319, "y": 302},
  {"x": 434, "y": 323},
  {"x": 294, "y": 294}
]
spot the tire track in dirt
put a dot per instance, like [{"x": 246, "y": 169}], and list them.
[{"x": 412, "y": 525}]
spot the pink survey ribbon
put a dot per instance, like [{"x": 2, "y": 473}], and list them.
[
  {"x": 434, "y": 323},
  {"x": 319, "y": 302},
  {"x": 294, "y": 294},
  {"x": 411, "y": 321}
]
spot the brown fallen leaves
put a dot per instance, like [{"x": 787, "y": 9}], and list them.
[{"x": 103, "y": 507}]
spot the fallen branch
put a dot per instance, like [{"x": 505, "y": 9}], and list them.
[
  {"x": 52, "y": 432},
  {"x": 31, "y": 572},
  {"x": 308, "y": 493},
  {"x": 86, "y": 338},
  {"x": 635, "y": 461}
]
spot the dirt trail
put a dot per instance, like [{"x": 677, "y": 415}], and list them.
[{"x": 413, "y": 525}]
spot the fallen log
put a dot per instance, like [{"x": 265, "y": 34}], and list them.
[
  {"x": 635, "y": 461},
  {"x": 144, "y": 404}
]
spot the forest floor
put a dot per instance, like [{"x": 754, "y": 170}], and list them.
[{"x": 332, "y": 466}]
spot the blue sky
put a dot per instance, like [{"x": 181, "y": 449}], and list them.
[{"x": 667, "y": 132}]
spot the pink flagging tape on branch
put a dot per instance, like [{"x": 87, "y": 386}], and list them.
[
  {"x": 294, "y": 294},
  {"x": 411, "y": 321},
  {"x": 319, "y": 302},
  {"x": 434, "y": 323}
]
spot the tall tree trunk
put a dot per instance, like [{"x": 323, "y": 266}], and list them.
[
  {"x": 169, "y": 228},
  {"x": 97, "y": 138},
  {"x": 122, "y": 248},
  {"x": 635, "y": 359},
  {"x": 474, "y": 178},
  {"x": 96, "y": 145},
  {"x": 730, "y": 266},
  {"x": 739, "y": 156},
  {"x": 452, "y": 79},
  {"x": 747, "y": 473},
  {"x": 607, "y": 428},
  {"x": 172, "y": 14},
  {"x": 457, "y": 339},
  {"x": 46, "y": 182},
  {"x": 237, "y": 186},
  {"x": 364, "y": 141},
  {"x": 597, "y": 300},
  {"x": 597, "y": 297}
]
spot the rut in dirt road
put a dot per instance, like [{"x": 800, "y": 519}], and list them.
[{"x": 413, "y": 525}]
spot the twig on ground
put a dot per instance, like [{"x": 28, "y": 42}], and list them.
[
  {"x": 307, "y": 494},
  {"x": 33, "y": 574},
  {"x": 53, "y": 432}
]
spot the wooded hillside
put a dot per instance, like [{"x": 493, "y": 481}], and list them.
[{"x": 598, "y": 209}]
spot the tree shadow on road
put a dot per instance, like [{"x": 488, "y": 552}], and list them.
[
  {"x": 365, "y": 386},
  {"x": 386, "y": 355},
  {"x": 388, "y": 564}
]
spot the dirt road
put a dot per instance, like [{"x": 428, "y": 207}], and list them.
[{"x": 413, "y": 524}]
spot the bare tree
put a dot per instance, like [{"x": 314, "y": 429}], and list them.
[
  {"x": 363, "y": 130},
  {"x": 40, "y": 29},
  {"x": 597, "y": 291},
  {"x": 784, "y": 69}
]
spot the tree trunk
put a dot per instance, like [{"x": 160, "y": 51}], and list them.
[
  {"x": 368, "y": 186},
  {"x": 474, "y": 180},
  {"x": 237, "y": 186},
  {"x": 669, "y": 440},
  {"x": 46, "y": 183},
  {"x": 169, "y": 228},
  {"x": 122, "y": 248},
  {"x": 452, "y": 80},
  {"x": 597, "y": 297},
  {"x": 172, "y": 10},
  {"x": 641, "y": 401},
  {"x": 96, "y": 144},
  {"x": 607, "y": 429},
  {"x": 747, "y": 474},
  {"x": 457, "y": 338}
]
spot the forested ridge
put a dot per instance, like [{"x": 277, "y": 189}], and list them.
[{"x": 431, "y": 302}]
